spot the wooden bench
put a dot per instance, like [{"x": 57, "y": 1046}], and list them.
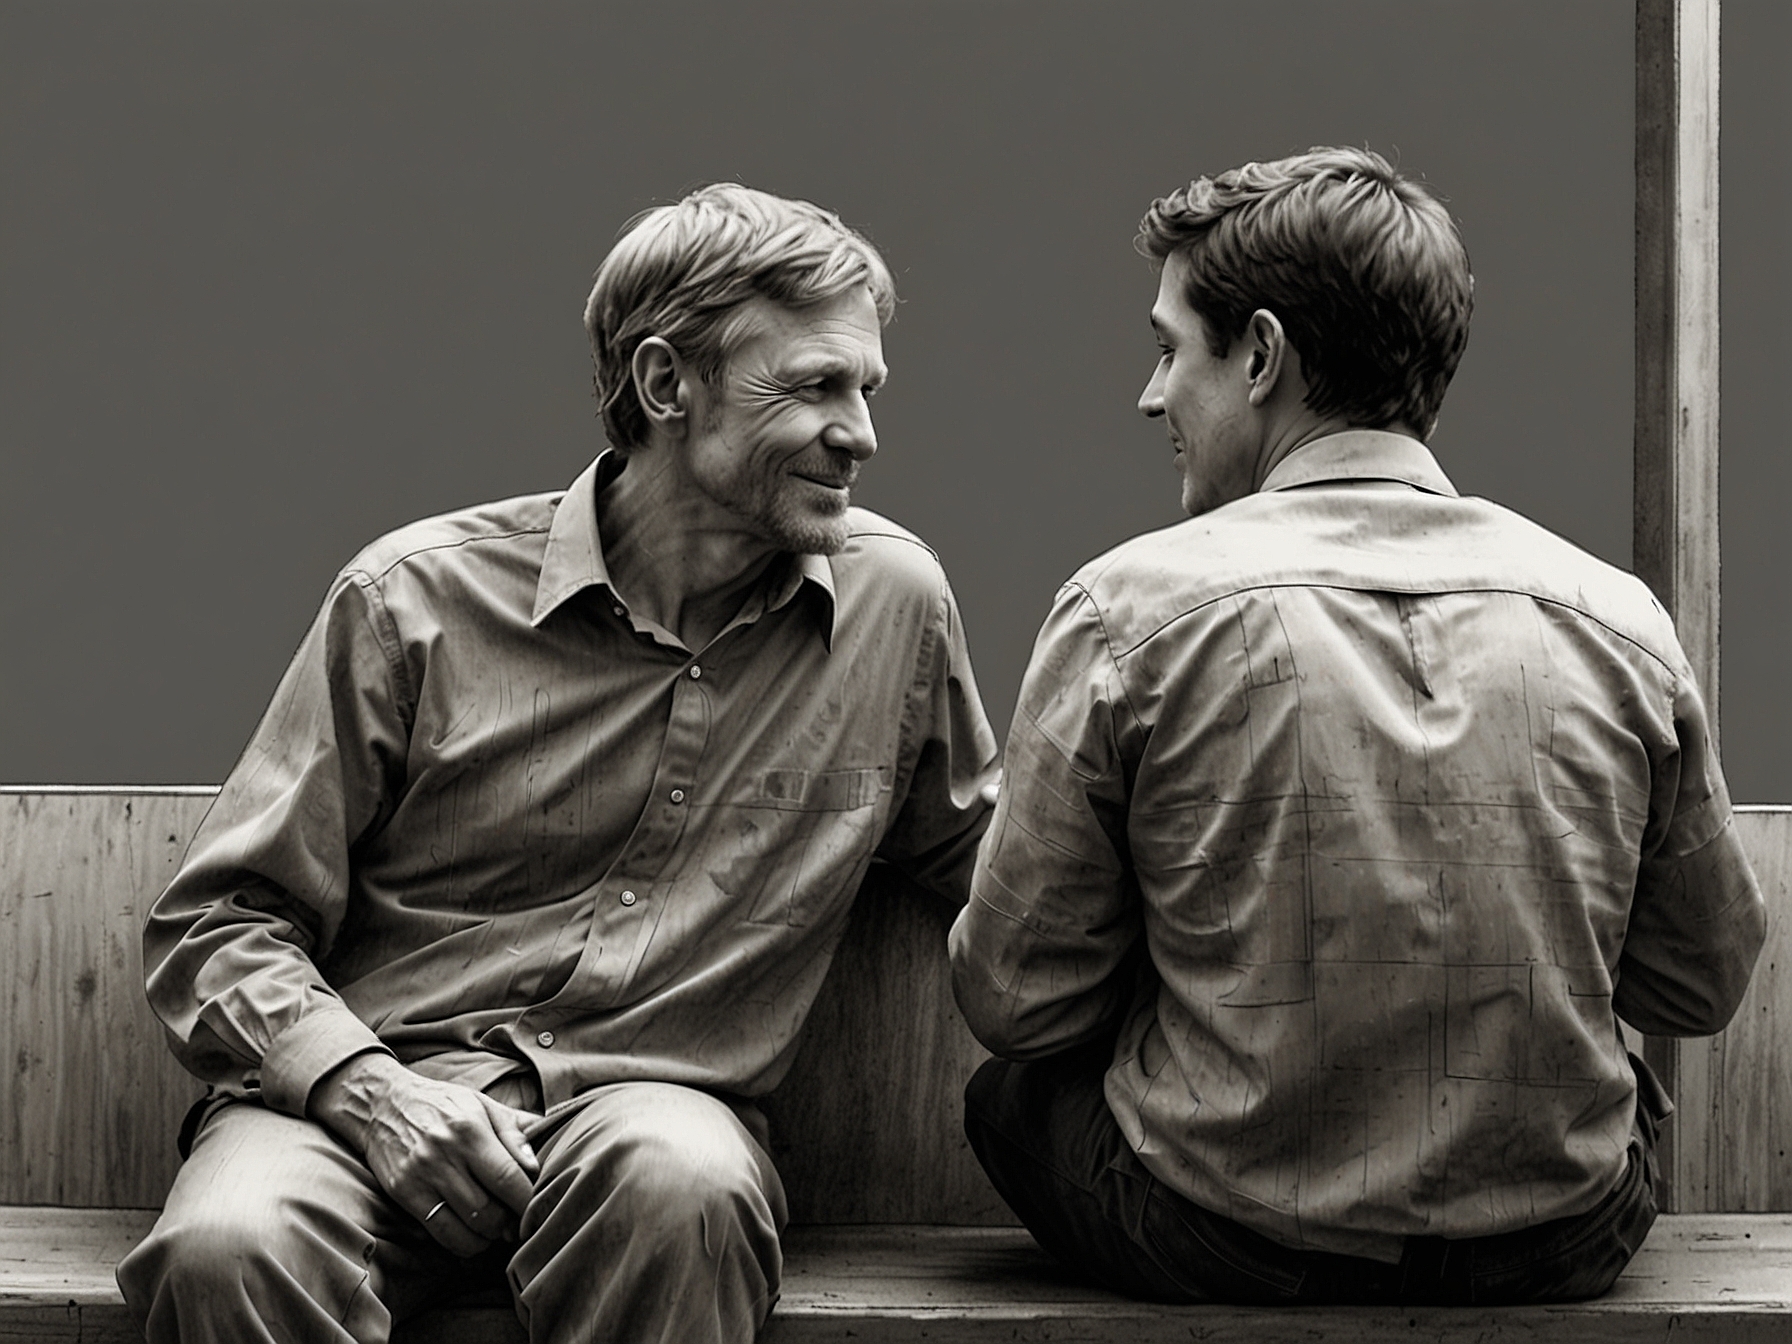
[{"x": 895, "y": 1236}]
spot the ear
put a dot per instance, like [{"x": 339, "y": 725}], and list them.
[
  {"x": 661, "y": 383},
  {"x": 1269, "y": 358}
]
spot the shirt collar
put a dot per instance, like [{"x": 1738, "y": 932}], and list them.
[
  {"x": 1361, "y": 455},
  {"x": 574, "y": 558}
]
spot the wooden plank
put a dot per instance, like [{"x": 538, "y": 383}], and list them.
[
  {"x": 1675, "y": 483},
  {"x": 1703, "y": 1277},
  {"x": 868, "y": 1127},
  {"x": 1741, "y": 1080},
  {"x": 90, "y": 1098}
]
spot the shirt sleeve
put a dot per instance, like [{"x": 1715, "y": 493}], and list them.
[
  {"x": 232, "y": 947},
  {"x": 1697, "y": 920},
  {"x": 1039, "y": 955},
  {"x": 934, "y": 831}
]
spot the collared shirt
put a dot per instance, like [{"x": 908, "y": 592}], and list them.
[
  {"x": 1404, "y": 796},
  {"x": 495, "y": 823}
]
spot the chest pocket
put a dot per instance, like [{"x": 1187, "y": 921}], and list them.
[
  {"x": 802, "y": 839},
  {"x": 821, "y": 790}
]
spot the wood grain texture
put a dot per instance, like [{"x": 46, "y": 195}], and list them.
[
  {"x": 90, "y": 1097},
  {"x": 1675, "y": 483},
  {"x": 1735, "y": 1098},
  {"x": 1697, "y": 1278},
  {"x": 868, "y": 1127}
]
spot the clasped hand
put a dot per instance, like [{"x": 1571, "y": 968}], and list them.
[{"x": 450, "y": 1156}]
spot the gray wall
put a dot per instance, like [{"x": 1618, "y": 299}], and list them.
[{"x": 275, "y": 278}]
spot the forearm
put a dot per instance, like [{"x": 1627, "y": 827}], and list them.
[
  {"x": 1697, "y": 925},
  {"x": 1027, "y": 991}
]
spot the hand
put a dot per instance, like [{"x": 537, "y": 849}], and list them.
[
  {"x": 992, "y": 790},
  {"x": 453, "y": 1158}
]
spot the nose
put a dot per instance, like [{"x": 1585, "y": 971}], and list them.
[
  {"x": 1151, "y": 400},
  {"x": 852, "y": 430}
]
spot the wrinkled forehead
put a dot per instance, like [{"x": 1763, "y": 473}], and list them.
[{"x": 841, "y": 335}]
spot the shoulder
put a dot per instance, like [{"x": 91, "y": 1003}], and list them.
[
  {"x": 1401, "y": 543},
  {"x": 882, "y": 553},
  {"x": 454, "y": 542}
]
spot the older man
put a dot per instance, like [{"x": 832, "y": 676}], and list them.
[
  {"x": 525, "y": 883},
  {"x": 1342, "y": 821}
]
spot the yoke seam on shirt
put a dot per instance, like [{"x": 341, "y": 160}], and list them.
[
  {"x": 449, "y": 546},
  {"x": 1591, "y": 617},
  {"x": 898, "y": 536}
]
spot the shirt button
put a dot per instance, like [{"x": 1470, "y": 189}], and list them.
[
  {"x": 695, "y": 671},
  {"x": 545, "y": 1040},
  {"x": 622, "y": 611},
  {"x": 678, "y": 795},
  {"x": 628, "y": 898}
]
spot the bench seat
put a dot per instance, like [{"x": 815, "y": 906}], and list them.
[{"x": 1721, "y": 1278}]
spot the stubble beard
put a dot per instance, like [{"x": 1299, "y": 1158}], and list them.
[{"x": 803, "y": 531}]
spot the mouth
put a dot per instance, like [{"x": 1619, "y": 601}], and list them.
[{"x": 838, "y": 484}]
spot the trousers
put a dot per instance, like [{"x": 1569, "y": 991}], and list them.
[
  {"x": 1051, "y": 1147},
  {"x": 656, "y": 1217}
]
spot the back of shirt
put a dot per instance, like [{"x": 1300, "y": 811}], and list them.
[{"x": 1405, "y": 796}]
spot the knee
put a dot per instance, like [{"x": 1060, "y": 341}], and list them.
[
  {"x": 678, "y": 1180},
  {"x": 214, "y": 1252}
]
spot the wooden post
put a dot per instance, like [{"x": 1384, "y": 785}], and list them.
[{"x": 1675, "y": 501}]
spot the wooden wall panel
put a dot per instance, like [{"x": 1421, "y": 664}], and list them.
[
  {"x": 90, "y": 1097},
  {"x": 1735, "y": 1095},
  {"x": 868, "y": 1127}
]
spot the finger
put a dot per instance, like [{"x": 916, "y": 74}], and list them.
[
  {"x": 507, "y": 1124},
  {"x": 492, "y": 1221},
  {"x": 492, "y": 1165},
  {"x": 451, "y": 1232}
]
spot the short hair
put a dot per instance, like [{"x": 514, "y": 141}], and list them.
[
  {"x": 1364, "y": 268},
  {"x": 682, "y": 271}
]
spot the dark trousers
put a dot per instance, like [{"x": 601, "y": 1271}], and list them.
[{"x": 1051, "y": 1147}]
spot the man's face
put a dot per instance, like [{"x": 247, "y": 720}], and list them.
[
  {"x": 1204, "y": 401},
  {"x": 779, "y": 439}
]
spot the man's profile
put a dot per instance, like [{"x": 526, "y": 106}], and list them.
[
  {"x": 525, "y": 883},
  {"x": 1341, "y": 822}
]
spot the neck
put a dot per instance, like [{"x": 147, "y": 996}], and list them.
[
  {"x": 674, "y": 555},
  {"x": 1296, "y": 431}
]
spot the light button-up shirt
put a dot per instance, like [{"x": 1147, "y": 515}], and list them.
[{"x": 1406, "y": 799}]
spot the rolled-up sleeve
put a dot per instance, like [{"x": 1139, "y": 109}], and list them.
[
  {"x": 1038, "y": 954},
  {"x": 1697, "y": 920},
  {"x": 231, "y": 947}
]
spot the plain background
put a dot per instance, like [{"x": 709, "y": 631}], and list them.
[{"x": 276, "y": 278}]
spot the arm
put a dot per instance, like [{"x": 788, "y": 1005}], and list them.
[
  {"x": 934, "y": 831},
  {"x": 232, "y": 947},
  {"x": 1041, "y": 953},
  {"x": 1697, "y": 919}
]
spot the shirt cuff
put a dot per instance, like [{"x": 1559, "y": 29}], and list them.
[{"x": 302, "y": 1054}]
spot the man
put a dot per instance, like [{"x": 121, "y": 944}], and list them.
[
  {"x": 523, "y": 887},
  {"x": 1342, "y": 821}
]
